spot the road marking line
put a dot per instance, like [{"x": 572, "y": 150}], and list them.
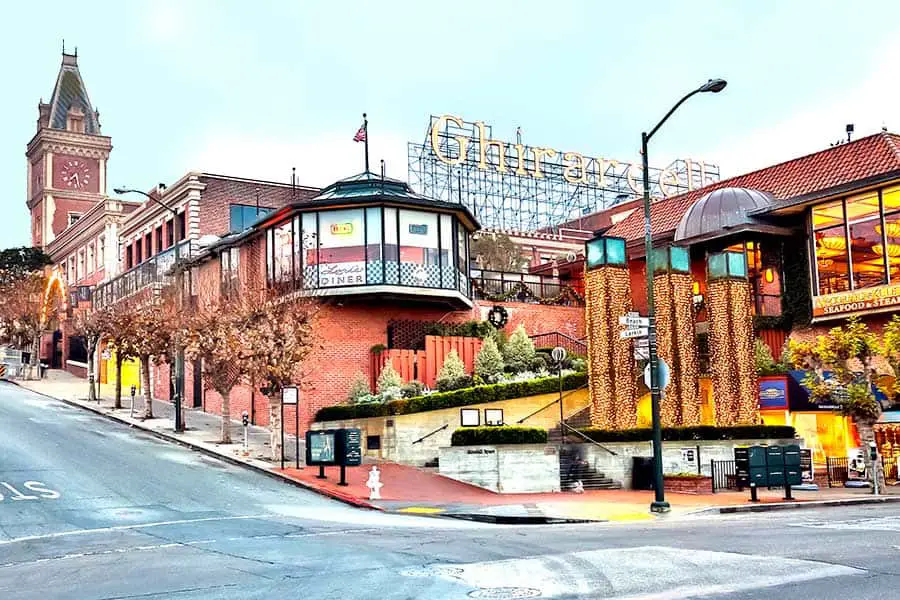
[{"x": 60, "y": 534}]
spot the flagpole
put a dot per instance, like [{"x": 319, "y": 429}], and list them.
[{"x": 366, "y": 140}]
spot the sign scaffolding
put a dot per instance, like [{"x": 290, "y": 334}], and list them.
[{"x": 510, "y": 185}]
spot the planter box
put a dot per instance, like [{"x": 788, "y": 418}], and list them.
[{"x": 688, "y": 485}]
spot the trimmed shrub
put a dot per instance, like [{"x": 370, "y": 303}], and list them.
[
  {"x": 412, "y": 389},
  {"x": 479, "y": 329},
  {"x": 359, "y": 388},
  {"x": 519, "y": 351},
  {"x": 463, "y": 397},
  {"x": 389, "y": 378},
  {"x": 451, "y": 371},
  {"x": 489, "y": 362},
  {"x": 506, "y": 434},
  {"x": 699, "y": 432}
]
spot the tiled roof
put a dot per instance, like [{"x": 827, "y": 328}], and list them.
[
  {"x": 866, "y": 157},
  {"x": 69, "y": 91}
]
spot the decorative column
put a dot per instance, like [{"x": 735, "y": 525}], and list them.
[
  {"x": 610, "y": 359},
  {"x": 732, "y": 360},
  {"x": 676, "y": 336}
]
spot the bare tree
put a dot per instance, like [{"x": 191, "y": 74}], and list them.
[{"x": 92, "y": 326}]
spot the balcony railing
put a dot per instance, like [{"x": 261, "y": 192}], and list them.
[
  {"x": 498, "y": 286},
  {"x": 156, "y": 270}
]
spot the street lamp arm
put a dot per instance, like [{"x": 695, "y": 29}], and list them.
[
  {"x": 672, "y": 110},
  {"x": 151, "y": 197}
]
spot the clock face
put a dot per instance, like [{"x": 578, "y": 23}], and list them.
[{"x": 75, "y": 174}]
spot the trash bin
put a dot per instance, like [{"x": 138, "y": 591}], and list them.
[
  {"x": 43, "y": 369},
  {"x": 642, "y": 473}
]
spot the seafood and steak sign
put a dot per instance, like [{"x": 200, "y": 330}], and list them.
[
  {"x": 540, "y": 163},
  {"x": 874, "y": 299}
]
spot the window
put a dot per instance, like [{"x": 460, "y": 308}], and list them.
[
  {"x": 309, "y": 241},
  {"x": 73, "y": 218},
  {"x": 91, "y": 258},
  {"x": 374, "y": 264},
  {"x": 242, "y": 216},
  {"x": 342, "y": 251},
  {"x": 138, "y": 256},
  {"x": 764, "y": 271},
  {"x": 391, "y": 251},
  {"x": 148, "y": 244},
  {"x": 101, "y": 251},
  {"x": 129, "y": 257},
  {"x": 857, "y": 241},
  {"x": 419, "y": 251},
  {"x": 71, "y": 276},
  {"x": 832, "y": 262},
  {"x": 170, "y": 234},
  {"x": 280, "y": 255},
  {"x": 159, "y": 239},
  {"x": 230, "y": 262},
  {"x": 181, "y": 226}
]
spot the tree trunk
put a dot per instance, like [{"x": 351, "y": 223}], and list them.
[
  {"x": 226, "y": 415},
  {"x": 275, "y": 426},
  {"x": 118, "y": 400},
  {"x": 36, "y": 356},
  {"x": 874, "y": 468},
  {"x": 145, "y": 383}
]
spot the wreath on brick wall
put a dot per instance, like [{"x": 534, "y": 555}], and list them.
[{"x": 498, "y": 317}]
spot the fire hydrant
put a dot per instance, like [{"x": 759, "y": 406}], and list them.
[{"x": 374, "y": 483}]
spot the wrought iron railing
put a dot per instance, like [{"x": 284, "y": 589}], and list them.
[
  {"x": 837, "y": 469},
  {"x": 155, "y": 270},
  {"x": 499, "y": 286},
  {"x": 724, "y": 475}
]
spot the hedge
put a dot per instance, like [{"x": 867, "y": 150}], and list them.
[
  {"x": 476, "y": 436},
  {"x": 699, "y": 432},
  {"x": 464, "y": 397}
]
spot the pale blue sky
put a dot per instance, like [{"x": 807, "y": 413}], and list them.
[{"x": 253, "y": 88}]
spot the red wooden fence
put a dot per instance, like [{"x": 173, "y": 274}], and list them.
[
  {"x": 774, "y": 339},
  {"x": 424, "y": 365}
]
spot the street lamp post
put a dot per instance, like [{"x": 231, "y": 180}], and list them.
[
  {"x": 179, "y": 354},
  {"x": 659, "y": 503}
]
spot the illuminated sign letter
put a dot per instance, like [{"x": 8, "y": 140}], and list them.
[
  {"x": 436, "y": 140},
  {"x": 673, "y": 180},
  {"x": 571, "y": 172},
  {"x": 539, "y": 153},
  {"x": 484, "y": 145},
  {"x": 602, "y": 165},
  {"x": 521, "y": 171},
  {"x": 629, "y": 177}
]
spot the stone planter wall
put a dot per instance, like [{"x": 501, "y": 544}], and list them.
[{"x": 508, "y": 468}]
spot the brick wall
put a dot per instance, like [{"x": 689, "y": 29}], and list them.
[{"x": 221, "y": 192}]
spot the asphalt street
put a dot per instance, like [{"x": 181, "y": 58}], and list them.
[{"x": 90, "y": 509}]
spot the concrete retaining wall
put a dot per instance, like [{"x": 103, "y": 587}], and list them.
[
  {"x": 509, "y": 468},
  {"x": 678, "y": 457}
]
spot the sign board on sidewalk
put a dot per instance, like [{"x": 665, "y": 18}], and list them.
[
  {"x": 289, "y": 395},
  {"x": 806, "y": 465},
  {"x": 320, "y": 447}
]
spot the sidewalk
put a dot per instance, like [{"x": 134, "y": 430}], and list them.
[{"x": 420, "y": 491}]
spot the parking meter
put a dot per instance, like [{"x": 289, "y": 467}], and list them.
[
  {"x": 133, "y": 390},
  {"x": 873, "y": 450},
  {"x": 245, "y": 422},
  {"x": 873, "y": 454}
]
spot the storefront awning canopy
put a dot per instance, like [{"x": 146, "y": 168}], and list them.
[{"x": 724, "y": 212}]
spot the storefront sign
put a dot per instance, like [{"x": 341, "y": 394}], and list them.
[
  {"x": 341, "y": 228},
  {"x": 806, "y": 465},
  {"x": 773, "y": 393},
  {"x": 868, "y": 299},
  {"x": 337, "y": 274},
  {"x": 418, "y": 229}
]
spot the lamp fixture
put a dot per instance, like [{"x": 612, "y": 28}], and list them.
[
  {"x": 893, "y": 250},
  {"x": 837, "y": 243}
]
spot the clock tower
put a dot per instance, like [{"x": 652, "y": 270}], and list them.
[{"x": 66, "y": 158}]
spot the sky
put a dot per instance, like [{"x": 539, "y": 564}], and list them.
[{"x": 253, "y": 89}]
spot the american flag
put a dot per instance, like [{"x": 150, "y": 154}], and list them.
[{"x": 360, "y": 135}]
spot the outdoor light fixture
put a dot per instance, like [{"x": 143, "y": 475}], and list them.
[
  {"x": 605, "y": 250},
  {"x": 659, "y": 503},
  {"x": 769, "y": 275},
  {"x": 671, "y": 259},
  {"x": 723, "y": 265}
]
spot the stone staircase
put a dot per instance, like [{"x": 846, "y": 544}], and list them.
[
  {"x": 572, "y": 469},
  {"x": 578, "y": 420}
]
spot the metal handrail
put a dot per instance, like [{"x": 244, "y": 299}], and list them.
[
  {"x": 568, "y": 393},
  {"x": 572, "y": 429},
  {"x": 428, "y": 435}
]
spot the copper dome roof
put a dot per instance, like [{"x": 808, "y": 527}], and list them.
[{"x": 722, "y": 212}]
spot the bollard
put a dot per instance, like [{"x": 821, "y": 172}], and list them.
[
  {"x": 132, "y": 400},
  {"x": 245, "y": 422}
]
